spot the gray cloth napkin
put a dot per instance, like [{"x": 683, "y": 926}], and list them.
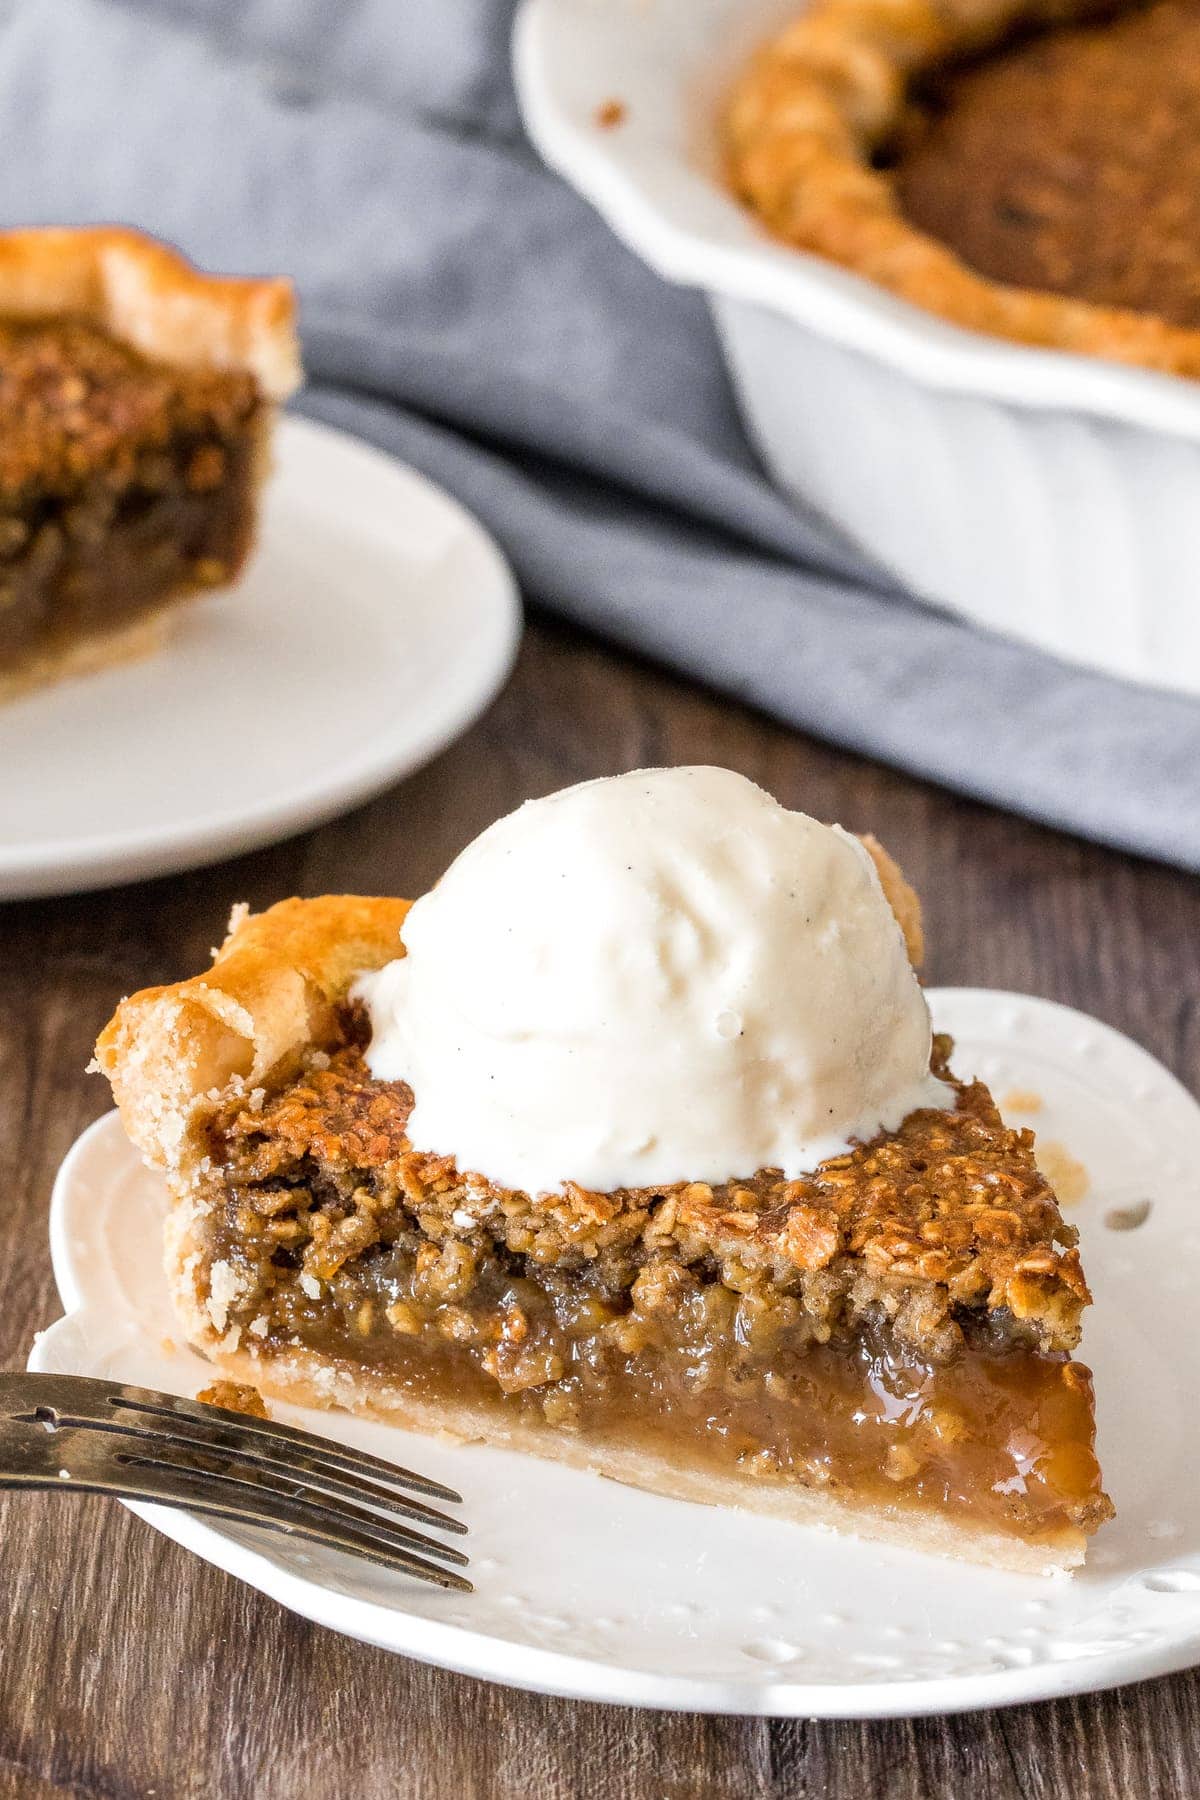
[{"x": 463, "y": 309}]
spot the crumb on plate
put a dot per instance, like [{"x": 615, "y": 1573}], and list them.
[
  {"x": 611, "y": 113},
  {"x": 235, "y": 1396},
  {"x": 1065, "y": 1173},
  {"x": 1022, "y": 1100}
]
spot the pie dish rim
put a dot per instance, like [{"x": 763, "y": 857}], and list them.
[
  {"x": 669, "y": 204},
  {"x": 845, "y": 57}
]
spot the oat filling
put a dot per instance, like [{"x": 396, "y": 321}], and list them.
[
  {"x": 123, "y": 484},
  {"x": 1068, "y": 160},
  {"x": 898, "y": 1325}
]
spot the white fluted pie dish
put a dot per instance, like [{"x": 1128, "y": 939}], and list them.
[{"x": 1047, "y": 496}]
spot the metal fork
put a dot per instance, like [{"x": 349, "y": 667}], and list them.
[{"x": 97, "y": 1437}]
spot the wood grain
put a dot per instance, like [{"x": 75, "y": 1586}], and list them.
[{"x": 127, "y": 1668}]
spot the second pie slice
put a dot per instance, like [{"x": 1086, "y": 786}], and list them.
[
  {"x": 137, "y": 400},
  {"x": 871, "y": 1329}
]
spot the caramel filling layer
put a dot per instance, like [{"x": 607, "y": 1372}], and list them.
[
  {"x": 122, "y": 484},
  {"x": 724, "y": 1381},
  {"x": 764, "y": 1351}
]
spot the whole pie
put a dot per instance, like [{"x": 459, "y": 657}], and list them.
[
  {"x": 1029, "y": 170},
  {"x": 884, "y": 1344},
  {"x": 136, "y": 399}
]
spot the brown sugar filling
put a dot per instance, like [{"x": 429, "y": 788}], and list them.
[
  {"x": 1069, "y": 161},
  {"x": 122, "y": 483},
  {"x": 758, "y": 1328}
]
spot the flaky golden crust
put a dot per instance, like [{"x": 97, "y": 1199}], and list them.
[
  {"x": 171, "y": 1053},
  {"x": 900, "y": 897},
  {"x": 800, "y": 128},
  {"x": 148, "y": 296}
]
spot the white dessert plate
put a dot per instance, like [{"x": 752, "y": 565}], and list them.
[
  {"x": 593, "y": 1590},
  {"x": 376, "y": 620}
]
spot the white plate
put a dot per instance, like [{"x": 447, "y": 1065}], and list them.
[
  {"x": 589, "y": 1589},
  {"x": 375, "y": 622}
]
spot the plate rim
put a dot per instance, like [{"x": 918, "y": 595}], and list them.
[
  {"x": 466, "y": 1651},
  {"x": 87, "y": 863}
]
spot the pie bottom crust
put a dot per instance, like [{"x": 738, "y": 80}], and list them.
[
  {"x": 129, "y": 642},
  {"x": 303, "y": 1377}
]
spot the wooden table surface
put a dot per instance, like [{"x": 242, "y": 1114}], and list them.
[{"x": 129, "y": 1668}]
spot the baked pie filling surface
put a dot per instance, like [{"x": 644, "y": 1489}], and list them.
[
  {"x": 123, "y": 483},
  {"x": 897, "y": 1327},
  {"x": 1027, "y": 168},
  {"x": 1069, "y": 161}
]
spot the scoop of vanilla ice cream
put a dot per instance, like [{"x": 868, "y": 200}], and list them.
[{"x": 657, "y": 977}]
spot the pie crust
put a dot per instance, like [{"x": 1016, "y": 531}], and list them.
[
  {"x": 206, "y": 1062},
  {"x": 144, "y": 294},
  {"x": 806, "y": 118}
]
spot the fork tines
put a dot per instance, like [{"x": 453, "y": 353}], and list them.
[{"x": 70, "y": 1431}]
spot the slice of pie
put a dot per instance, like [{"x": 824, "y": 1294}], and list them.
[
  {"x": 136, "y": 399},
  {"x": 1026, "y": 168},
  {"x": 882, "y": 1345}
]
